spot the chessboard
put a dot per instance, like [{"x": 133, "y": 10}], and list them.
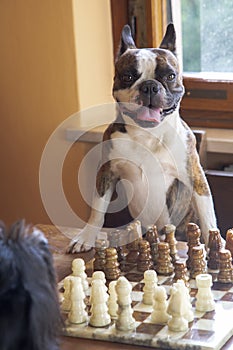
[{"x": 208, "y": 331}]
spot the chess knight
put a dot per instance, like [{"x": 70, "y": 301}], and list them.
[{"x": 149, "y": 146}]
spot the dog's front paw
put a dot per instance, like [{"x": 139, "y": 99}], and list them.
[
  {"x": 77, "y": 246},
  {"x": 84, "y": 241}
]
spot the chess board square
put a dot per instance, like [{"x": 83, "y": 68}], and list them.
[
  {"x": 198, "y": 334},
  {"x": 209, "y": 315},
  {"x": 138, "y": 287},
  {"x": 134, "y": 277},
  {"x": 149, "y": 328},
  {"x": 221, "y": 286},
  {"x": 227, "y": 297},
  {"x": 136, "y": 296},
  {"x": 140, "y": 316}
]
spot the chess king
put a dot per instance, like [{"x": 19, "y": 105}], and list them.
[{"x": 150, "y": 146}]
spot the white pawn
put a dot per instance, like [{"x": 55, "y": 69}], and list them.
[
  {"x": 125, "y": 321},
  {"x": 99, "y": 310},
  {"x": 112, "y": 301},
  {"x": 177, "y": 308},
  {"x": 66, "y": 303},
  {"x": 159, "y": 314},
  {"x": 77, "y": 312},
  {"x": 189, "y": 316},
  {"x": 150, "y": 280},
  {"x": 99, "y": 275},
  {"x": 205, "y": 300},
  {"x": 78, "y": 270}
]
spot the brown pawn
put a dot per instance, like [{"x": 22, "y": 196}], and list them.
[
  {"x": 181, "y": 272},
  {"x": 225, "y": 274},
  {"x": 164, "y": 265},
  {"x": 169, "y": 231},
  {"x": 122, "y": 253},
  {"x": 112, "y": 271},
  {"x": 153, "y": 238},
  {"x": 229, "y": 240},
  {"x": 214, "y": 245},
  {"x": 133, "y": 252},
  {"x": 193, "y": 240},
  {"x": 198, "y": 265},
  {"x": 144, "y": 261},
  {"x": 99, "y": 258}
]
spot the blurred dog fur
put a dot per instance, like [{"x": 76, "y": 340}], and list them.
[{"x": 29, "y": 309}]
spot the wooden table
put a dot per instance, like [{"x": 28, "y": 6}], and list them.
[{"x": 62, "y": 261}]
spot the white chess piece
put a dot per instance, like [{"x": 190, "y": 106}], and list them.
[
  {"x": 159, "y": 314},
  {"x": 177, "y": 308},
  {"x": 78, "y": 270},
  {"x": 77, "y": 312},
  {"x": 189, "y": 316},
  {"x": 112, "y": 301},
  {"x": 125, "y": 321},
  {"x": 150, "y": 280},
  {"x": 66, "y": 303},
  {"x": 99, "y": 275},
  {"x": 99, "y": 310},
  {"x": 205, "y": 300}
]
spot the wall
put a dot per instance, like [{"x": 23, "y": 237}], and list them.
[{"x": 40, "y": 87}]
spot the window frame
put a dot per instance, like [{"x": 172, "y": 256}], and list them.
[{"x": 208, "y": 101}]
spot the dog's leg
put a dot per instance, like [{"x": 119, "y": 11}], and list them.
[
  {"x": 105, "y": 184},
  {"x": 203, "y": 203}
]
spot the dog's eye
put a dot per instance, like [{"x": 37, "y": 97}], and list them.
[
  {"x": 171, "y": 77},
  {"x": 127, "y": 78}
]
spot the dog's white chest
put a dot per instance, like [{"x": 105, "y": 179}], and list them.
[{"x": 148, "y": 163}]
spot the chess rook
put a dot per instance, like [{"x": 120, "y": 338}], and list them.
[
  {"x": 150, "y": 280},
  {"x": 205, "y": 300}
]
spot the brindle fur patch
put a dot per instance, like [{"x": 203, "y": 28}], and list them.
[
  {"x": 176, "y": 200},
  {"x": 194, "y": 168},
  {"x": 105, "y": 179}
]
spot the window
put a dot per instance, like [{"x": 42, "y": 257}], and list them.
[{"x": 204, "y": 31}]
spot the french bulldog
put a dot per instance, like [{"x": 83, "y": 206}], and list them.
[{"x": 149, "y": 148}]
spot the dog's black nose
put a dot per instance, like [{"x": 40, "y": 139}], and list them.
[{"x": 149, "y": 87}]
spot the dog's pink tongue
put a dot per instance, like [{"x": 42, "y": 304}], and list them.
[{"x": 148, "y": 114}]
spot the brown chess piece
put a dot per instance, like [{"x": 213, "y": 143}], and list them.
[
  {"x": 229, "y": 240},
  {"x": 153, "y": 238},
  {"x": 169, "y": 231},
  {"x": 181, "y": 272},
  {"x": 164, "y": 265},
  {"x": 144, "y": 261},
  {"x": 193, "y": 240},
  {"x": 99, "y": 257},
  {"x": 198, "y": 265},
  {"x": 225, "y": 274},
  {"x": 133, "y": 251},
  {"x": 214, "y": 245},
  {"x": 112, "y": 271}
]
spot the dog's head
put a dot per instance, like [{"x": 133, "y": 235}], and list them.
[
  {"x": 29, "y": 308},
  {"x": 148, "y": 83}
]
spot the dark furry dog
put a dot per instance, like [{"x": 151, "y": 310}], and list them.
[{"x": 29, "y": 309}]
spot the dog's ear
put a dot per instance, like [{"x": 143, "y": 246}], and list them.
[
  {"x": 169, "y": 39},
  {"x": 127, "y": 41}
]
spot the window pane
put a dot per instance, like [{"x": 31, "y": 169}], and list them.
[{"x": 207, "y": 35}]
